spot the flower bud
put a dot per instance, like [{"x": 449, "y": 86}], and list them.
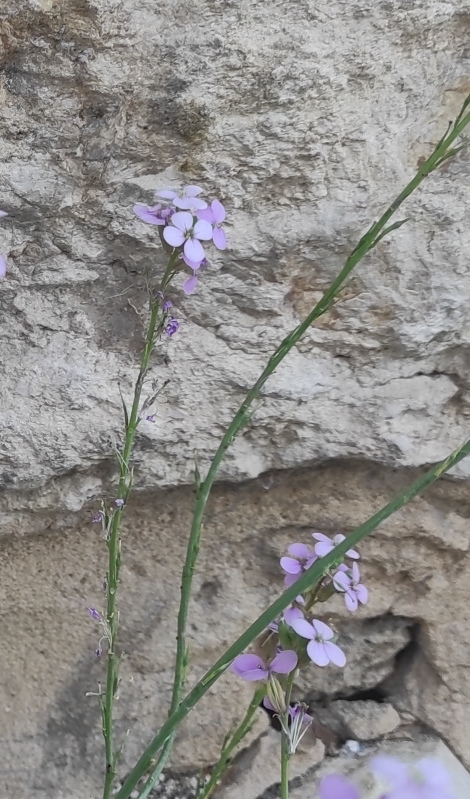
[{"x": 276, "y": 695}]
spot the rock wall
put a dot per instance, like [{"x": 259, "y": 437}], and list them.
[{"x": 305, "y": 118}]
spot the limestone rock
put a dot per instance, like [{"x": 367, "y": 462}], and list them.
[{"x": 366, "y": 720}]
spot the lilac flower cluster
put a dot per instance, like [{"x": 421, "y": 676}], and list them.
[
  {"x": 298, "y": 637},
  {"x": 427, "y": 779},
  {"x": 185, "y": 221}
]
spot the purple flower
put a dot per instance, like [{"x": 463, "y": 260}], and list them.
[
  {"x": 167, "y": 305},
  {"x": 325, "y": 545},
  {"x": 186, "y": 232},
  {"x": 187, "y": 200},
  {"x": 427, "y": 779},
  {"x": 119, "y": 503},
  {"x": 320, "y": 649},
  {"x": 292, "y": 613},
  {"x": 3, "y": 267},
  {"x": 347, "y": 581},
  {"x": 98, "y": 517},
  {"x": 252, "y": 667},
  {"x": 172, "y": 327},
  {"x": 334, "y": 786},
  {"x": 153, "y": 214},
  {"x": 215, "y": 215},
  {"x": 95, "y": 614},
  {"x": 300, "y": 557}
]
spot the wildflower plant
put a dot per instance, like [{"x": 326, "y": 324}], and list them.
[{"x": 294, "y": 634}]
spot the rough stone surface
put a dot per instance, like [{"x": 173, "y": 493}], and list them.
[
  {"x": 366, "y": 720},
  {"x": 305, "y": 136}
]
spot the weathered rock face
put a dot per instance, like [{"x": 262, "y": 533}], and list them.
[{"x": 305, "y": 118}]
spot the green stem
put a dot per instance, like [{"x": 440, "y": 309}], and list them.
[
  {"x": 229, "y": 748},
  {"x": 304, "y": 583},
  {"x": 377, "y": 231},
  {"x": 114, "y": 544}
]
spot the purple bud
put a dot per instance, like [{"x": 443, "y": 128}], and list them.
[
  {"x": 98, "y": 652},
  {"x": 98, "y": 517},
  {"x": 95, "y": 614},
  {"x": 172, "y": 327},
  {"x": 167, "y": 305},
  {"x": 151, "y": 417},
  {"x": 119, "y": 503}
]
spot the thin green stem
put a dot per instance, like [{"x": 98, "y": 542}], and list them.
[
  {"x": 303, "y": 584},
  {"x": 230, "y": 747},
  {"x": 377, "y": 231},
  {"x": 114, "y": 542}
]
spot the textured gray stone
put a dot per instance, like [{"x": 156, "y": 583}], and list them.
[
  {"x": 273, "y": 107},
  {"x": 366, "y": 720}
]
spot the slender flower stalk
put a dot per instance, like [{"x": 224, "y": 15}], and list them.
[
  {"x": 443, "y": 151},
  {"x": 113, "y": 536}
]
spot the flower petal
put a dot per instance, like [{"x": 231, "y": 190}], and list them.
[
  {"x": 290, "y": 565},
  {"x": 350, "y": 600},
  {"x": 183, "y": 221},
  {"x": 219, "y": 211},
  {"x": 193, "y": 250},
  {"x": 202, "y": 230},
  {"x": 206, "y": 213},
  {"x": 323, "y": 548},
  {"x": 219, "y": 238},
  {"x": 173, "y": 236},
  {"x": 3, "y": 267},
  {"x": 362, "y": 594},
  {"x": 192, "y": 264},
  {"x": 302, "y": 627},
  {"x": 434, "y": 773},
  {"x": 167, "y": 194},
  {"x": 189, "y": 203},
  {"x": 191, "y": 191},
  {"x": 351, "y": 553},
  {"x": 247, "y": 662},
  {"x": 292, "y": 613},
  {"x": 335, "y": 654},
  {"x": 143, "y": 212},
  {"x": 284, "y": 662},
  {"x": 3, "y": 213},
  {"x": 299, "y": 550},
  {"x": 320, "y": 628},
  {"x": 190, "y": 285},
  {"x": 335, "y": 786},
  {"x": 341, "y": 581},
  {"x": 317, "y": 654},
  {"x": 290, "y": 579},
  {"x": 321, "y": 537},
  {"x": 356, "y": 575}
]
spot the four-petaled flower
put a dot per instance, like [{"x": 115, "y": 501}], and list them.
[
  {"x": 427, "y": 779},
  {"x": 347, "y": 581},
  {"x": 252, "y": 667},
  {"x": 185, "y": 232},
  {"x": 172, "y": 327},
  {"x": 215, "y": 215},
  {"x": 300, "y": 557},
  {"x": 325, "y": 545},
  {"x": 335, "y": 786},
  {"x": 320, "y": 649},
  {"x": 187, "y": 200}
]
